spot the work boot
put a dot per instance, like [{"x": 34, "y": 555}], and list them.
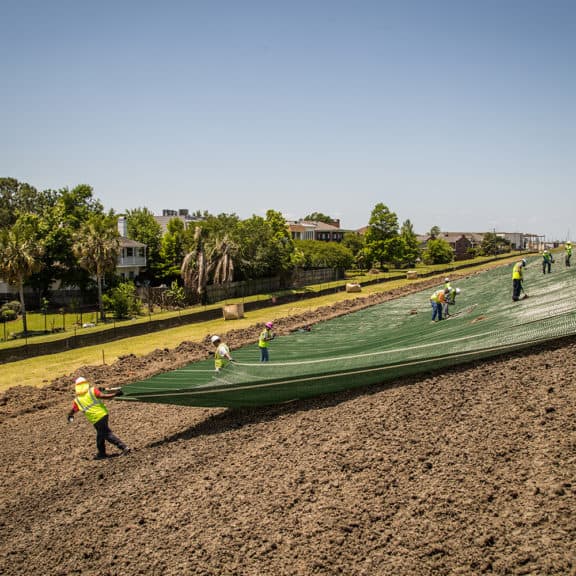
[{"x": 100, "y": 457}]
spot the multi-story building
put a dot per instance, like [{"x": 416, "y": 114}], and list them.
[{"x": 305, "y": 230}]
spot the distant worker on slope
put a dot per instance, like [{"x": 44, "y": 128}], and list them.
[
  {"x": 517, "y": 279},
  {"x": 266, "y": 336},
  {"x": 547, "y": 260},
  {"x": 437, "y": 301},
  {"x": 89, "y": 401},
  {"x": 568, "y": 252},
  {"x": 222, "y": 353}
]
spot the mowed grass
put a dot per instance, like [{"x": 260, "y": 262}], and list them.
[{"x": 42, "y": 370}]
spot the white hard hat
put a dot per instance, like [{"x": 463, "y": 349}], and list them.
[
  {"x": 524, "y": 261},
  {"x": 446, "y": 279},
  {"x": 214, "y": 339},
  {"x": 457, "y": 290},
  {"x": 80, "y": 380}
]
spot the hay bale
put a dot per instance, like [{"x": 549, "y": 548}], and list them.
[
  {"x": 353, "y": 287},
  {"x": 411, "y": 274},
  {"x": 233, "y": 311}
]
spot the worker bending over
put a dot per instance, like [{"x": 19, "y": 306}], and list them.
[
  {"x": 437, "y": 301},
  {"x": 222, "y": 353},
  {"x": 450, "y": 299}
]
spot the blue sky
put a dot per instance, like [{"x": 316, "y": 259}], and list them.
[{"x": 460, "y": 114}]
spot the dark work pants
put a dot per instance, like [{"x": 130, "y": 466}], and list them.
[
  {"x": 546, "y": 267},
  {"x": 516, "y": 289},
  {"x": 103, "y": 434},
  {"x": 264, "y": 357}
]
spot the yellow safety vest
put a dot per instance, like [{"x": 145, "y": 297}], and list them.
[
  {"x": 265, "y": 337},
  {"x": 94, "y": 409},
  {"x": 517, "y": 271},
  {"x": 219, "y": 360},
  {"x": 438, "y": 296}
]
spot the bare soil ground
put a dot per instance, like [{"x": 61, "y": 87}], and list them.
[{"x": 467, "y": 471}]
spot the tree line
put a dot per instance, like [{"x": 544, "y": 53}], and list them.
[{"x": 65, "y": 237}]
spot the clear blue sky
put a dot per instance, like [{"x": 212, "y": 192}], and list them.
[{"x": 460, "y": 113}]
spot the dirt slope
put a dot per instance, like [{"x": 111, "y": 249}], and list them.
[{"x": 471, "y": 471}]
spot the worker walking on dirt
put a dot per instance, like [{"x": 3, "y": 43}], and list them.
[
  {"x": 517, "y": 279},
  {"x": 437, "y": 301},
  {"x": 222, "y": 353},
  {"x": 89, "y": 401},
  {"x": 568, "y": 253},
  {"x": 547, "y": 260},
  {"x": 450, "y": 300},
  {"x": 266, "y": 336}
]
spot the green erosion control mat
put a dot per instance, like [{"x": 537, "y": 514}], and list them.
[{"x": 381, "y": 343}]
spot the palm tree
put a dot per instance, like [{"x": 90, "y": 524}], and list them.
[
  {"x": 209, "y": 260},
  {"x": 194, "y": 269},
  {"x": 20, "y": 253},
  {"x": 222, "y": 258},
  {"x": 97, "y": 245}
]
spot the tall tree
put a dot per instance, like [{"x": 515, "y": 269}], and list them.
[
  {"x": 434, "y": 231},
  {"x": 63, "y": 213},
  {"x": 20, "y": 252},
  {"x": 382, "y": 229},
  {"x": 97, "y": 246},
  {"x": 383, "y": 224},
  {"x": 195, "y": 269},
  {"x": 411, "y": 250},
  {"x": 19, "y": 198},
  {"x": 221, "y": 260},
  {"x": 282, "y": 245},
  {"x": 143, "y": 227},
  {"x": 172, "y": 250}
]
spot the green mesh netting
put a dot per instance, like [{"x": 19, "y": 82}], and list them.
[{"x": 380, "y": 343}]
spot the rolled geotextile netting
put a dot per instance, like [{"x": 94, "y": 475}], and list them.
[{"x": 382, "y": 342}]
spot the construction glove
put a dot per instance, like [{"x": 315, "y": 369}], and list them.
[
  {"x": 119, "y": 393},
  {"x": 70, "y": 419}
]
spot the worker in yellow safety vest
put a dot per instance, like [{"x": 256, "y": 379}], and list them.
[
  {"x": 517, "y": 279},
  {"x": 568, "y": 249},
  {"x": 450, "y": 299},
  {"x": 222, "y": 353},
  {"x": 266, "y": 336},
  {"x": 547, "y": 261},
  {"x": 89, "y": 401},
  {"x": 437, "y": 301}
]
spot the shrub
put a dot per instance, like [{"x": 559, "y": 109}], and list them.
[
  {"x": 13, "y": 305},
  {"x": 122, "y": 301},
  {"x": 7, "y": 315}
]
